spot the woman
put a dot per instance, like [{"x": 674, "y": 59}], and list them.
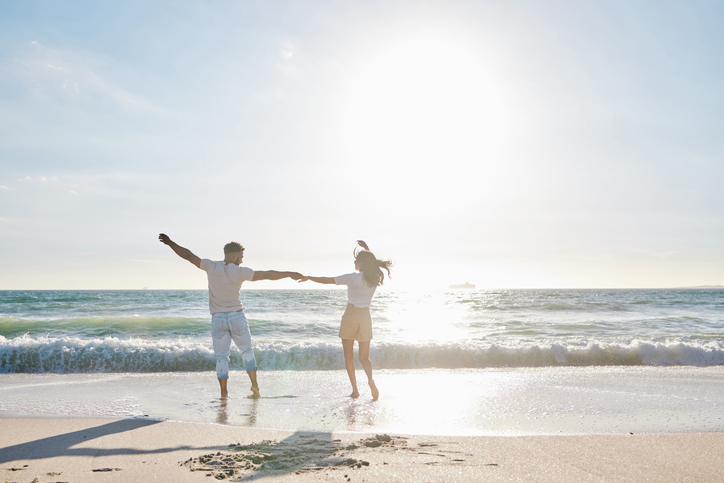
[{"x": 356, "y": 321}]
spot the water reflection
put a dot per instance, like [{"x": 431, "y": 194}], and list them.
[
  {"x": 222, "y": 415},
  {"x": 252, "y": 414},
  {"x": 360, "y": 415},
  {"x": 249, "y": 418}
]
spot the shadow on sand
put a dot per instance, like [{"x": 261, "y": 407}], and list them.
[{"x": 63, "y": 444}]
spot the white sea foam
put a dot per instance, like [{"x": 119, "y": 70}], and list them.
[{"x": 70, "y": 355}]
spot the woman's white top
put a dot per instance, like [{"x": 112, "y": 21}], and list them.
[{"x": 359, "y": 293}]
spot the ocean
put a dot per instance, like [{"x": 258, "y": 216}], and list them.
[
  {"x": 450, "y": 362},
  {"x": 142, "y": 331}
]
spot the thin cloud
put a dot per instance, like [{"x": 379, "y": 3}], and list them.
[
  {"x": 287, "y": 50},
  {"x": 654, "y": 254},
  {"x": 38, "y": 179},
  {"x": 56, "y": 74},
  {"x": 663, "y": 254}
]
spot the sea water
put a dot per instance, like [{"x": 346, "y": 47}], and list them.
[
  {"x": 451, "y": 362},
  {"x": 168, "y": 331}
]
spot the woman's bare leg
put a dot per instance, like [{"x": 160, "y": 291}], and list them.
[
  {"x": 348, "y": 346},
  {"x": 364, "y": 359}
]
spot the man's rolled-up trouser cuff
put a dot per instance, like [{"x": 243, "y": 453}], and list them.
[
  {"x": 222, "y": 367},
  {"x": 249, "y": 361}
]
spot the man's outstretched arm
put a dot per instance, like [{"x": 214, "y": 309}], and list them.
[
  {"x": 274, "y": 275},
  {"x": 182, "y": 252}
]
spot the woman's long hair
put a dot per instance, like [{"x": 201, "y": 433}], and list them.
[{"x": 370, "y": 266}]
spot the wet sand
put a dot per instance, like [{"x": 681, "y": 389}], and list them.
[
  {"x": 466, "y": 402},
  {"x": 547, "y": 424},
  {"x": 91, "y": 450}
]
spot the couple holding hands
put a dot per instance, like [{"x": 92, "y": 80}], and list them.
[{"x": 228, "y": 321}]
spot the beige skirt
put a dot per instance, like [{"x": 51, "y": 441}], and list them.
[{"x": 356, "y": 324}]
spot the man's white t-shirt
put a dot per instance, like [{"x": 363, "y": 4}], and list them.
[
  {"x": 359, "y": 293},
  {"x": 225, "y": 281}
]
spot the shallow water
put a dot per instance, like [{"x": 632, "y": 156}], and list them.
[{"x": 515, "y": 401}]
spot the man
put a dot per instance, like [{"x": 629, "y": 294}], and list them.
[{"x": 228, "y": 321}]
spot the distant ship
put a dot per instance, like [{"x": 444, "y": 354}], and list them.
[{"x": 463, "y": 285}]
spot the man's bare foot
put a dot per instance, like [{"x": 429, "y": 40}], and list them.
[
  {"x": 355, "y": 394},
  {"x": 256, "y": 392},
  {"x": 225, "y": 397},
  {"x": 375, "y": 391}
]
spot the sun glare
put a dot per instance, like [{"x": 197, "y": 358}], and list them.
[
  {"x": 439, "y": 123},
  {"x": 432, "y": 111}
]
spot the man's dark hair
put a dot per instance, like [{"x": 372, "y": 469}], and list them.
[{"x": 233, "y": 247}]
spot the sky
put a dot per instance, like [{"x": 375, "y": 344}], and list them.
[{"x": 509, "y": 144}]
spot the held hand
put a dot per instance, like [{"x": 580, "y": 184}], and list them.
[
  {"x": 164, "y": 238},
  {"x": 297, "y": 276},
  {"x": 303, "y": 279}
]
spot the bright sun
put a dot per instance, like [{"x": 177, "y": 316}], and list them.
[
  {"x": 432, "y": 110},
  {"x": 439, "y": 117}
]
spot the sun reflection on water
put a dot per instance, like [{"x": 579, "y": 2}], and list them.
[{"x": 425, "y": 317}]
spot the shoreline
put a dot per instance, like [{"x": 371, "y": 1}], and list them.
[
  {"x": 469, "y": 402},
  {"x": 534, "y": 424},
  {"x": 89, "y": 449}
]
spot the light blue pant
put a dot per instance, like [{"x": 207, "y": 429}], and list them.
[{"x": 225, "y": 327}]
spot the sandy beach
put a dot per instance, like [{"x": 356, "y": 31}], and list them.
[
  {"x": 548, "y": 424},
  {"x": 85, "y": 450}
]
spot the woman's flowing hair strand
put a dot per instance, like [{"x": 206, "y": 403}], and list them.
[{"x": 370, "y": 266}]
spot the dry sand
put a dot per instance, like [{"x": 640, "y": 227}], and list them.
[{"x": 90, "y": 450}]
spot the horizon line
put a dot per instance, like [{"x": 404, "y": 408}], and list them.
[{"x": 341, "y": 288}]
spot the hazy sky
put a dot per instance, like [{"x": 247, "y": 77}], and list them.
[{"x": 504, "y": 143}]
